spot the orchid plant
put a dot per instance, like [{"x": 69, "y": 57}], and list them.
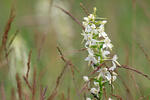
[{"x": 99, "y": 48}]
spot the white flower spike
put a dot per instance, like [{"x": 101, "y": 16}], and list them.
[{"x": 99, "y": 48}]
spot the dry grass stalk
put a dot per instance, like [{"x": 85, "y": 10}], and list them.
[
  {"x": 34, "y": 85},
  {"x": 84, "y": 9},
  {"x": 19, "y": 87},
  {"x": 2, "y": 92},
  {"x": 67, "y": 61},
  {"x": 42, "y": 93},
  {"x": 41, "y": 45},
  {"x": 62, "y": 96},
  {"x": 72, "y": 67},
  {"x": 132, "y": 69},
  {"x": 142, "y": 49},
  {"x": 28, "y": 64},
  {"x": 84, "y": 88},
  {"x": 7, "y": 28},
  {"x": 13, "y": 97},
  {"x": 105, "y": 95},
  {"x": 28, "y": 70},
  {"x": 129, "y": 95},
  {"x": 27, "y": 82},
  {"x": 69, "y": 14},
  {"x": 144, "y": 5},
  {"x": 26, "y": 96},
  {"x": 54, "y": 92},
  {"x": 13, "y": 38},
  {"x": 117, "y": 96}
]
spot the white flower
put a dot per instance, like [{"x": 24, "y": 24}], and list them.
[
  {"x": 113, "y": 67},
  {"x": 107, "y": 43},
  {"x": 104, "y": 22},
  {"x": 99, "y": 58},
  {"x": 85, "y": 24},
  {"x": 91, "y": 58},
  {"x": 115, "y": 57},
  {"x": 114, "y": 78},
  {"x": 86, "y": 36},
  {"x": 85, "y": 78},
  {"x": 88, "y": 99},
  {"x": 93, "y": 26},
  {"x": 103, "y": 34},
  {"x": 101, "y": 30},
  {"x": 114, "y": 73},
  {"x": 105, "y": 53},
  {"x": 110, "y": 99},
  {"x": 86, "y": 19},
  {"x": 93, "y": 42},
  {"x": 95, "y": 31},
  {"x": 91, "y": 16},
  {"x": 88, "y": 29},
  {"x": 98, "y": 46},
  {"x": 90, "y": 51},
  {"x": 94, "y": 90},
  {"x": 96, "y": 83},
  {"x": 103, "y": 72}
]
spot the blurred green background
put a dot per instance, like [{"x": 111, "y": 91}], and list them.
[{"x": 42, "y": 27}]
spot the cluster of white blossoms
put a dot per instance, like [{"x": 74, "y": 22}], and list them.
[{"x": 99, "y": 48}]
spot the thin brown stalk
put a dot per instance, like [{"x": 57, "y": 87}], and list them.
[
  {"x": 13, "y": 97},
  {"x": 85, "y": 86},
  {"x": 42, "y": 93},
  {"x": 132, "y": 69},
  {"x": 28, "y": 64},
  {"x": 34, "y": 84},
  {"x": 84, "y": 9},
  {"x": 27, "y": 82},
  {"x": 105, "y": 95},
  {"x": 2, "y": 92},
  {"x": 7, "y": 27},
  {"x": 41, "y": 45},
  {"x": 19, "y": 87},
  {"x": 128, "y": 92},
  {"x": 69, "y": 14},
  {"x": 145, "y": 7},
  {"x": 135, "y": 84},
  {"x": 54, "y": 92},
  {"x": 13, "y": 38},
  {"x": 62, "y": 96},
  {"x": 70, "y": 65},
  {"x": 117, "y": 96},
  {"x": 142, "y": 49},
  {"x": 26, "y": 96},
  {"x": 67, "y": 61},
  {"x": 129, "y": 95},
  {"x": 98, "y": 67}
]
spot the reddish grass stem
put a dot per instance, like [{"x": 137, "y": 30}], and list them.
[
  {"x": 19, "y": 87},
  {"x": 69, "y": 14},
  {"x": 2, "y": 92},
  {"x": 84, "y": 9},
  {"x": 132, "y": 69},
  {"x": 28, "y": 64}
]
